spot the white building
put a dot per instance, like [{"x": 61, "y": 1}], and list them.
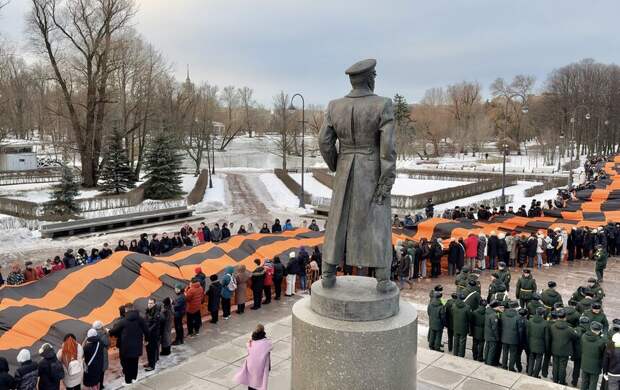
[{"x": 17, "y": 155}]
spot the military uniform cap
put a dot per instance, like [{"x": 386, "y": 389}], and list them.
[
  {"x": 361, "y": 67},
  {"x": 494, "y": 303},
  {"x": 454, "y": 295},
  {"x": 502, "y": 264},
  {"x": 437, "y": 294},
  {"x": 540, "y": 311},
  {"x": 513, "y": 304},
  {"x": 596, "y": 326},
  {"x": 461, "y": 296},
  {"x": 616, "y": 321},
  {"x": 472, "y": 282},
  {"x": 495, "y": 275},
  {"x": 483, "y": 302},
  {"x": 561, "y": 313},
  {"x": 584, "y": 320},
  {"x": 522, "y": 312},
  {"x": 591, "y": 280},
  {"x": 596, "y": 305},
  {"x": 557, "y": 305},
  {"x": 551, "y": 284},
  {"x": 438, "y": 287},
  {"x": 527, "y": 271}
]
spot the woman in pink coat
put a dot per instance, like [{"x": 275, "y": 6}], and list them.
[
  {"x": 471, "y": 250},
  {"x": 254, "y": 372}
]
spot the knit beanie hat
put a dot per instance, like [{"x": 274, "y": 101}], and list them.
[
  {"x": 97, "y": 325},
  {"x": 91, "y": 333}
]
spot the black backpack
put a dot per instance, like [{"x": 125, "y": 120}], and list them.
[{"x": 57, "y": 372}]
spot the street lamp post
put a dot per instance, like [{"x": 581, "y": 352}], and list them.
[
  {"x": 560, "y": 151},
  {"x": 504, "y": 150},
  {"x": 302, "y": 202},
  {"x": 213, "y": 154}
]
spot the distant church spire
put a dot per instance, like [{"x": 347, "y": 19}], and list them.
[{"x": 188, "y": 80}]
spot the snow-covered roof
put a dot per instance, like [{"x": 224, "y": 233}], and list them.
[{"x": 18, "y": 142}]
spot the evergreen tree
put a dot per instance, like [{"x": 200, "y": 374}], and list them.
[
  {"x": 116, "y": 176},
  {"x": 402, "y": 112},
  {"x": 163, "y": 165},
  {"x": 64, "y": 194}
]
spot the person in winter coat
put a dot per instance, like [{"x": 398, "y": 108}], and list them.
[
  {"x": 471, "y": 250},
  {"x": 254, "y": 372},
  {"x": 600, "y": 257},
  {"x": 121, "y": 246},
  {"x": 214, "y": 295},
  {"x": 453, "y": 255},
  {"x": 133, "y": 246},
  {"x": 461, "y": 315},
  {"x": 276, "y": 227},
  {"x": 143, "y": 244},
  {"x": 611, "y": 363},
  {"x": 69, "y": 259},
  {"x": 132, "y": 330},
  {"x": 258, "y": 284},
  {"x": 71, "y": 355},
  {"x": 287, "y": 225},
  {"x": 492, "y": 340},
  {"x": 30, "y": 275},
  {"x": 526, "y": 286},
  {"x": 50, "y": 369},
  {"x": 264, "y": 229},
  {"x": 278, "y": 276},
  {"x": 437, "y": 318},
  {"x": 225, "y": 231},
  {"x": 509, "y": 337},
  {"x": 167, "y": 318},
  {"x": 202, "y": 278},
  {"x": 216, "y": 233},
  {"x": 313, "y": 226},
  {"x": 194, "y": 296},
  {"x": 481, "y": 252},
  {"x": 403, "y": 269},
  {"x": 16, "y": 276},
  {"x": 153, "y": 338},
  {"x": 502, "y": 249},
  {"x": 104, "y": 339},
  {"x": 531, "y": 245},
  {"x": 537, "y": 341},
  {"x": 476, "y": 331},
  {"x": 179, "y": 310},
  {"x": 493, "y": 250},
  {"x": 540, "y": 249},
  {"x": 229, "y": 285},
  {"x": 242, "y": 276},
  {"x": 6, "y": 380},
  {"x": 435, "y": 255},
  {"x": 550, "y": 296},
  {"x": 27, "y": 374},
  {"x": 592, "y": 351},
  {"x": 293, "y": 268},
  {"x": 165, "y": 244},
  {"x": 562, "y": 337},
  {"x": 449, "y": 323},
  {"x": 522, "y": 336},
  {"x": 93, "y": 360}
]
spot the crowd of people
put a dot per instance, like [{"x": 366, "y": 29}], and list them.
[
  {"x": 83, "y": 365},
  {"x": 162, "y": 244},
  {"x": 535, "y": 322}
]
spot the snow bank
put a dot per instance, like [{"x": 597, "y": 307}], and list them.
[
  {"x": 216, "y": 197},
  {"x": 280, "y": 194},
  {"x": 312, "y": 185},
  {"x": 406, "y": 186}
]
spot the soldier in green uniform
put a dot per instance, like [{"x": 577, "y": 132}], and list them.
[
  {"x": 461, "y": 314},
  {"x": 596, "y": 288},
  {"x": 472, "y": 295},
  {"x": 596, "y": 314},
  {"x": 431, "y": 293},
  {"x": 580, "y": 329},
  {"x": 491, "y": 333},
  {"x": 562, "y": 338},
  {"x": 537, "y": 341},
  {"x": 586, "y": 303},
  {"x": 494, "y": 285},
  {"x": 550, "y": 296},
  {"x": 592, "y": 350},
  {"x": 504, "y": 274},
  {"x": 544, "y": 370},
  {"x": 534, "y": 304},
  {"x": 572, "y": 316},
  {"x": 436, "y": 320},
  {"x": 501, "y": 295},
  {"x": 476, "y": 331},
  {"x": 526, "y": 286},
  {"x": 578, "y": 295},
  {"x": 522, "y": 333},
  {"x": 475, "y": 276},
  {"x": 509, "y": 336},
  {"x": 449, "y": 321},
  {"x": 600, "y": 256},
  {"x": 461, "y": 279}
]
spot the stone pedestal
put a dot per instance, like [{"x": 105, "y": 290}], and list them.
[{"x": 335, "y": 350}]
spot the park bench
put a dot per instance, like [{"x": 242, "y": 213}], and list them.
[{"x": 94, "y": 225}]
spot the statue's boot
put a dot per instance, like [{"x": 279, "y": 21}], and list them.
[
  {"x": 384, "y": 284},
  {"x": 329, "y": 275}
]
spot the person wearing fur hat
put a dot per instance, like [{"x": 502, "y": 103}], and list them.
[
  {"x": 526, "y": 286},
  {"x": 550, "y": 296},
  {"x": 27, "y": 374},
  {"x": 104, "y": 339}
]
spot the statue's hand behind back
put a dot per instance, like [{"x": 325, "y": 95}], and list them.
[{"x": 380, "y": 194}]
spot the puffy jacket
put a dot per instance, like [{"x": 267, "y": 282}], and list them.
[
  {"x": 226, "y": 293},
  {"x": 532, "y": 245},
  {"x": 476, "y": 323},
  {"x": 562, "y": 338},
  {"x": 537, "y": 334},
  {"x": 471, "y": 246},
  {"x": 179, "y": 306},
  {"x": 493, "y": 246},
  {"x": 491, "y": 325},
  {"x": 26, "y": 376},
  {"x": 193, "y": 297},
  {"x": 482, "y": 246},
  {"x": 50, "y": 371},
  {"x": 611, "y": 359},
  {"x": 510, "y": 334},
  {"x": 549, "y": 297},
  {"x": 6, "y": 380},
  {"x": 592, "y": 350},
  {"x": 93, "y": 353},
  {"x": 461, "y": 314}
]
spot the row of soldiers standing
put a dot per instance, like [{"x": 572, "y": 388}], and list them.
[{"x": 538, "y": 324}]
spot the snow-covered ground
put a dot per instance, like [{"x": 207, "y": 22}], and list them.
[
  {"x": 279, "y": 193},
  {"x": 312, "y": 185},
  {"x": 216, "y": 197},
  {"x": 406, "y": 186},
  {"x": 38, "y": 193}
]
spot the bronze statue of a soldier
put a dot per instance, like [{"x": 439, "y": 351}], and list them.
[{"x": 364, "y": 160}]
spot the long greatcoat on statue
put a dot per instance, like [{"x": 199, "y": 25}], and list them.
[{"x": 364, "y": 162}]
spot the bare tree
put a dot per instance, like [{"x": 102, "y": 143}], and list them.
[
  {"x": 247, "y": 104},
  {"x": 513, "y": 100},
  {"x": 432, "y": 118},
  {"x": 463, "y": 98},
  {"x": 77, "y": 36},
  {"x": 284, "y": 144},
  {"x": 230, "y": 101}
]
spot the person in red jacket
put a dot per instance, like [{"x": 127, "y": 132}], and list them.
[
  {"x": 194, "y": 296},
  {"x": 471, "y": 250}
]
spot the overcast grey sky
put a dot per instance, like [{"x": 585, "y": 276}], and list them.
[{"x": 305, "y": 45}]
